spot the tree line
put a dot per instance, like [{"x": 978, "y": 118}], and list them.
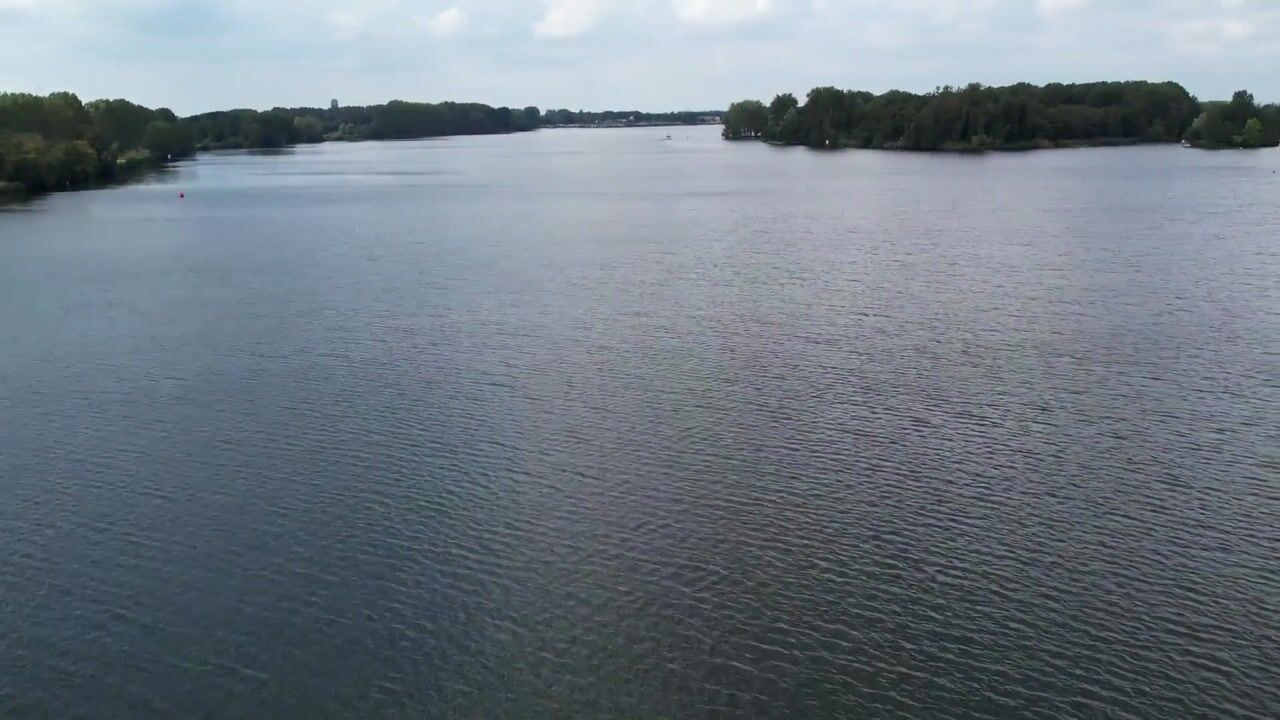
[
  {"x": 56, "y": 141},
  {"x": 1023, "y": 116},
  {"x": 563, "y": 116},
  {"x": 1241, "y": 122}
]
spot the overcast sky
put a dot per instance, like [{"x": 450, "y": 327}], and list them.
[{"x": 197, "y": 55}]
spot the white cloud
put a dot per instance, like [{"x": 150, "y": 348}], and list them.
[
  {"x": 722, "y": 11},
  {"x": 932, "y": 12},
  {"x": 1236, "y": 29},
  {"x": 567, "y": 18},
  {"x": 1053, "y": 6},
  {"x": 444, "y": 24},
  {"x": 345, "y": 23},
  {"x": 649, "y": 54}
]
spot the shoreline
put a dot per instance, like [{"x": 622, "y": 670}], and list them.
[
  {"x": 1020, "y": 148},
  {"x": 980, "y": 118},
  {"x": 11, "y": 193},
  {"x": 136, "y": 170},
  {"x": 624, "y": 126},
  {"x": 959, "y": 149}
]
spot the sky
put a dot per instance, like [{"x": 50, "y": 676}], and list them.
[{"x": 199, "y": 55}]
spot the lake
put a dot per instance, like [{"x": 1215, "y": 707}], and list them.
[{"x": 588, "y": 423}]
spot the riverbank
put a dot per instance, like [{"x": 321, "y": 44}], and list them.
[
  {"x": 956, "y": 147},
  {"x": 682, "y": 120},
  {"x": 978, "y": 118},
  {"x": 972, "y": 148},
  {"x": 606, "y": 126},
  {"x": 55, "y": 142},
  {"x": 129, "y": 169}
]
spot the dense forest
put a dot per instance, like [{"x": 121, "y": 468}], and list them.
[
  {"x": 55, "y": 142},
  {"x": 1238, "y": 123},
  {"x": 396, "y": 120},
  {"x": 1023, "y": 116}
]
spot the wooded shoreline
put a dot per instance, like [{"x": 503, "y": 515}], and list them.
[
  {"x": 56, "y": 142},
  {"x": 978, "y": 118}
]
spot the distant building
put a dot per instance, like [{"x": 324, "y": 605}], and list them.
[
  {"x": 708, "y": 120},
  {"x": 333, "y": 104}
]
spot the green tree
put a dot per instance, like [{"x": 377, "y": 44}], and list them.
[
  {"x": 29, "y": 162},
  {"x": 977, "y": 116},
  {"x": 1253, "y": 136},
  {"x": 823, "y": 114},
  {"x": 119, "y": 122},
  {"x": 784, "y": 124},
  {"x": 1241, "y": 108},
  {"x": 746, "y": 119},
  {"x": 308, "y": 129},
  {"x": 528, "y": 118},
  {"x": 168, "y": 141},
  {"x": 75, "y": 163},
  {"x": 781, "y": 105},
  {"x": 276, "y": 129},
  {"x": 1209, "y": 129},
  {"x": 55, "y": 141},
  {"x": 58, "y": 116},
  {"x": 1270, "y": 116}
]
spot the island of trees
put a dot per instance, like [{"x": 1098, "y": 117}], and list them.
[
  {"x": 1016, "y": 117},
  {"x": 56, "y": 142}
]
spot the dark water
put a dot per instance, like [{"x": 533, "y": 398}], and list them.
[{"x": 585, "y": 424}]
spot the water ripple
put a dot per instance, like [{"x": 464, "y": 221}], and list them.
[{"x": 901, "y": 436}]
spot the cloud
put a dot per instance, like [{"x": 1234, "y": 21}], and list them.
[
  {"x": 645, "y": 54},
  {"x": 444, "y": 24},
  {"x": 345, "y": 23},
  {"x": 1054, "y": 6},
  {"x": 722, "y": 11},
  {"x": 567, "y": 18},
  {"x": 1236, "y": 29}
]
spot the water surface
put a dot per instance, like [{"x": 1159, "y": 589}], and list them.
[{"x": 588, "y": 424}]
